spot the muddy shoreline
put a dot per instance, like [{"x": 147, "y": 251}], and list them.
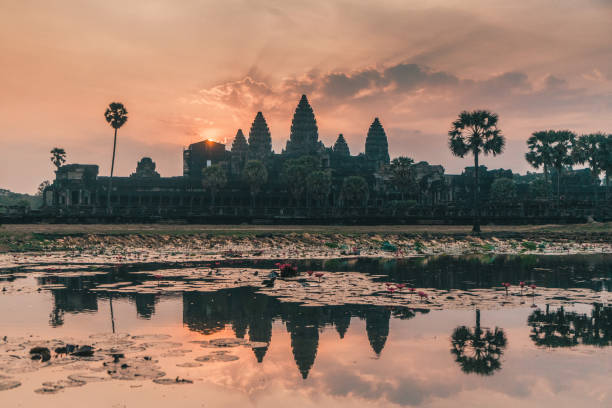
[{"x": 311, "y": 241}]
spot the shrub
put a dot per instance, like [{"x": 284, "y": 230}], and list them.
[{"x": 531, "y": 246}]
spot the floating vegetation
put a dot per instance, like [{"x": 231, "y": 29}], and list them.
[
  {"x": 172, "y": 381},
  {"x": 7, "y": 384},
  {"x": 217, "y": 356}
]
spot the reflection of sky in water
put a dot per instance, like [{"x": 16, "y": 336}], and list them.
[{"x": 415, "y": 366}]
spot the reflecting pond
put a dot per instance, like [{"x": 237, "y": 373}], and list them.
[{"x": 235, "y": 344}]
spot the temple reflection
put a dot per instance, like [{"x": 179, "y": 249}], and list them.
[{"x": 250, "y": 314}]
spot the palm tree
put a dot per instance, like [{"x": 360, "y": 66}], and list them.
[
  {"x": 213, "y": 178},
  {"x": 58, "y": 156},
  {"x": 318, "y": 184},
  {"x": 562, "y": 144},
  {"x": 42, "y": 187},
  {"x": 256, "y": 175},
  {"x": 540, "y": 151},
  {"x": 476, "y": 132},
  {"x": 606, "y": 160},
  {"x": 402, "y": 175},
  {"x": 478, "y": 350},
  {"x": 589, "y": 149},
  {"x": 355, "y": 190},
  {"x": 116, "y": 116}
]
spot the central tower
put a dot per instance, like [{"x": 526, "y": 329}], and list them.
[{"x": 304, "y": 138}]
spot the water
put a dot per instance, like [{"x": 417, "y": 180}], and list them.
[{"x": 335, "y": 355}]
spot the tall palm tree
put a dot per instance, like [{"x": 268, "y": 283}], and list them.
[
  {"x": 562, "y": 145},
  {"x": 476, "y": 132},
  {"x": 58, "y": 156},
  {"x": 606, "y": 160},
  {"x": 116, "y": 116},
  {"x": 589, "y": 150},
  {"x": 540, "y": 151}
]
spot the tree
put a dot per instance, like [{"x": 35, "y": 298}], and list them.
[
  {"x": 503, "y": 189},
  {"x": 318, "y": 184},
  {"x": 213, "y": 179},
  {"x": 589, "y": 149},
  {"x": 540, "y": 188},
  {"x": 540, "y": 151},
  {"x": 402, "y": 175},
  {"x": 476, "y": 132},
  {"x": 256, "y": 175},
  {"x": 606, "y": 160},
  {"x": 295, "y": 172},
  {"x": 116, "y": 116},
  {"x": 478, "y": 350},
  {"x": 58, "y": 157},
  {"x": 42, "y": 186},
  {"x": 355, "y": 190},
  {"x": 562, "y": 144}
]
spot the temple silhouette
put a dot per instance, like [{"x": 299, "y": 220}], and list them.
[{"x": 307, "y": 182}]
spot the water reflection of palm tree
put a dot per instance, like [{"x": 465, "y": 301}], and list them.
[
  {"x": 478, "y": 350},
  {"x": 559, "y": 328}
]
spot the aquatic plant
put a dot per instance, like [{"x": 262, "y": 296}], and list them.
[{"x": 287, "y": 270}]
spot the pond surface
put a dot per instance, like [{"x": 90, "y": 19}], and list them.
[{"x": 161, "y": 338}]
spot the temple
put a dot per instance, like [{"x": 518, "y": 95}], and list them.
[{"x": 306, "y": 182}]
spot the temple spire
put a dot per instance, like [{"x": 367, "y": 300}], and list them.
[
  {"x": 376, "y": 146},
  {"x": 304, "y": 138},
  {"x": 240, "y": 150},
  {"x": 341, "y": 147},
  {"x": 260, "y": 140}
]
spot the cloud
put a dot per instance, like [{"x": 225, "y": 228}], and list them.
[{"x": 415, "y": 102}]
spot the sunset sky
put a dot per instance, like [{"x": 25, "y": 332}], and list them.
[{"x": 194, "y": 69}]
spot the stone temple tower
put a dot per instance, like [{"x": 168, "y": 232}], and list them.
[
  {"x": 376, "y": 147},
  {"x": 304, "y": 138},
  {"x": 240, "y": 151},
  {"x": 341, "y": 147},
  {"x": 260, "y": 140}
]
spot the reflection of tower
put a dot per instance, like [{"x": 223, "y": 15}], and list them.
[
  {"x": 238, "y": 304},
  {"x": 260, "y": 325},
  {"x": 341, "y": 317},
  {"x": 205, "y": 312},
  {"x": 303, "y": 326},
  {"x": 71, "y": 301},
  {"x": 145, "y": 304},
  {"x": 377, "y": 327}
]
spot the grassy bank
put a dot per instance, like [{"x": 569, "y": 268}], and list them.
[{"x": 33, "y": 237}]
